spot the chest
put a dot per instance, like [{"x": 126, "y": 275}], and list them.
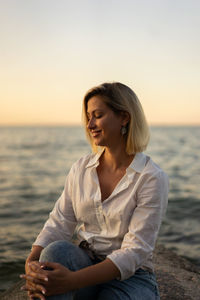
[
  {"x": 108, "y": 181},
  {"x": 92, "y": 189}
]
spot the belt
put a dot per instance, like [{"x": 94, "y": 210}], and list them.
[{"x": 91, "y": 253}]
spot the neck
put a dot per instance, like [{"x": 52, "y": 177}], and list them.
[{"x": 117, "y": 158}]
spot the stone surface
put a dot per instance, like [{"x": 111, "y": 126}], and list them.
[
  {"x": 14, "y": 293},
  {"x": 178, "y": 278}
]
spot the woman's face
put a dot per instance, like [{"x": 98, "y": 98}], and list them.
[{"x": 103, "y": 124}]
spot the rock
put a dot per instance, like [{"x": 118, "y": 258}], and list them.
[
  {"x": 14, "y": 293},
  {"x": 178, "y": 278}
]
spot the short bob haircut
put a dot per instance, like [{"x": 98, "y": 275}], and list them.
[{"x": 119, "y": 97}]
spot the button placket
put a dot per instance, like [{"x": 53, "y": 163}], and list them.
[
  {"x": 97, "y": 201},
  {"x": 99, "y": 209}
]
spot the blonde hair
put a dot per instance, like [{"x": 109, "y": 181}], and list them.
[{"x": 119, "y": 97}]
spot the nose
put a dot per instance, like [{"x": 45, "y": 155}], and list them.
[{"x": 91, "y": 123}]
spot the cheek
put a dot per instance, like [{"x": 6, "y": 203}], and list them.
[
  {"x": 115, "y": 127},
  {"x": 113, "y": 131},
  {"x": 103, "y": 123},
  {"x": 109, "y": 125}
]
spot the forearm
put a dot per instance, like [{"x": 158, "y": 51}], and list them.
[
  {"x": 35, "y": 253},
  {"x": 95, "y": 274},
  {"x": 62, "y": 280}
]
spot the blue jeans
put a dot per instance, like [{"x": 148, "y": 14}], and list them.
[{"x": 141, "y": 286}]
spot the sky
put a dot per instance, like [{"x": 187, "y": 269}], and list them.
[{"x": 52, "y": 52}]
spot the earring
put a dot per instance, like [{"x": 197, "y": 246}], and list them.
[{"x": 123, "y": 130}]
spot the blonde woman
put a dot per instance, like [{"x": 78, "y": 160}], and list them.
[{"x": 118, "y": 196}]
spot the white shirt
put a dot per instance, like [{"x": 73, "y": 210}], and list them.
[{"x": 124, "y": 227}]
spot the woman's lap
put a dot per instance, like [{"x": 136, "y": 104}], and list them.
[{"x": 141, "y": 286}]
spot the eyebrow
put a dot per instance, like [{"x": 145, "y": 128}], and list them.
[{"x": 94, "y": 111}]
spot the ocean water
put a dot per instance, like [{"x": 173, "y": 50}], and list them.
[{"x": 34, "y": 162}]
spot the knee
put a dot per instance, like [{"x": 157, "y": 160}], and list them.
[
  {"x": 55, "y": 251},
  {"x": 67, "y": 254}
]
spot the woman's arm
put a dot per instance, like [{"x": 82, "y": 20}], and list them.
[
  {"x": 34, "y": 254},
  {"x": 139, "y": 242},
  {"x": 95, "y": 274},
  {"x": 60, "y": 225},
  {"x": 61, "y": 280}
]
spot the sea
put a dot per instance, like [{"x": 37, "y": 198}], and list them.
[{"x": 34, "y": 162}]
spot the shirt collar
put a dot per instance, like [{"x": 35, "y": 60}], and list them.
[
  {"x": 94, "y": 160},
  {"x": 137, "y": 164}
]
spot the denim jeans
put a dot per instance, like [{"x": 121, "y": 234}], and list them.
[{"x": 141, "y": 286}]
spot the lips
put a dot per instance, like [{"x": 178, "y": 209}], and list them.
[{"x": 95, "y": 133}]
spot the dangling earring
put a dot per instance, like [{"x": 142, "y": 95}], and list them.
[{"x": 123, "y": 130}]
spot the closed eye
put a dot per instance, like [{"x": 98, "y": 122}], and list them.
[
  {"x": 98, "y": 116},
  {"x": 95, "y": 115}
]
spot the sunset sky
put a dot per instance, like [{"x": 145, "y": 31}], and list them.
[{"x": 52, "y": 52}]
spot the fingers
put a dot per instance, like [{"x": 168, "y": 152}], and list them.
[
  {"x": 35, "y": 277},
  {"x": 32, "y": 289},
  {"x": 37, "y": 295},
  {"x": 35, "y": 265},
  {"x": 49, "y": 265},
  {"x": 35, "y": 273}
]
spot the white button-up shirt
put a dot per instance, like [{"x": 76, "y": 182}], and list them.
[{"x": 124, "y": 227}]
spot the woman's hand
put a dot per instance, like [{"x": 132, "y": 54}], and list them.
[
  {"x": 60, "y": 278},
  {"x": 35, "y": 287},
  {"x": 33, "y": 256},
  {"x": 47, "y": 279}
]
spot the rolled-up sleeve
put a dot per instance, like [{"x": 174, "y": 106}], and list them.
[
  {"x": 139, "y": 241},
  {"x": 62, "y": 221}
]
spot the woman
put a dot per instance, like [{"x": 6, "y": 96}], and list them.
[{"x": 118, "y": 196}]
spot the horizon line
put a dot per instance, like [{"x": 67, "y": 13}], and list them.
[{"x": 81, "y": 125}]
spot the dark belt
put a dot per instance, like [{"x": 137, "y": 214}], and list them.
[{"x": 91, "y": 253}]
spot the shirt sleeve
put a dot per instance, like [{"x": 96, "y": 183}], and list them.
[
  {"x": 139, "y": 241},
  {"x": 62, "y": 221}
]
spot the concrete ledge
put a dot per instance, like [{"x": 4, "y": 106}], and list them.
[{"x": 178, "y": 278}]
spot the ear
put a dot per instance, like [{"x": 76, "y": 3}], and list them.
[{"x": 125, "y": 117}]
